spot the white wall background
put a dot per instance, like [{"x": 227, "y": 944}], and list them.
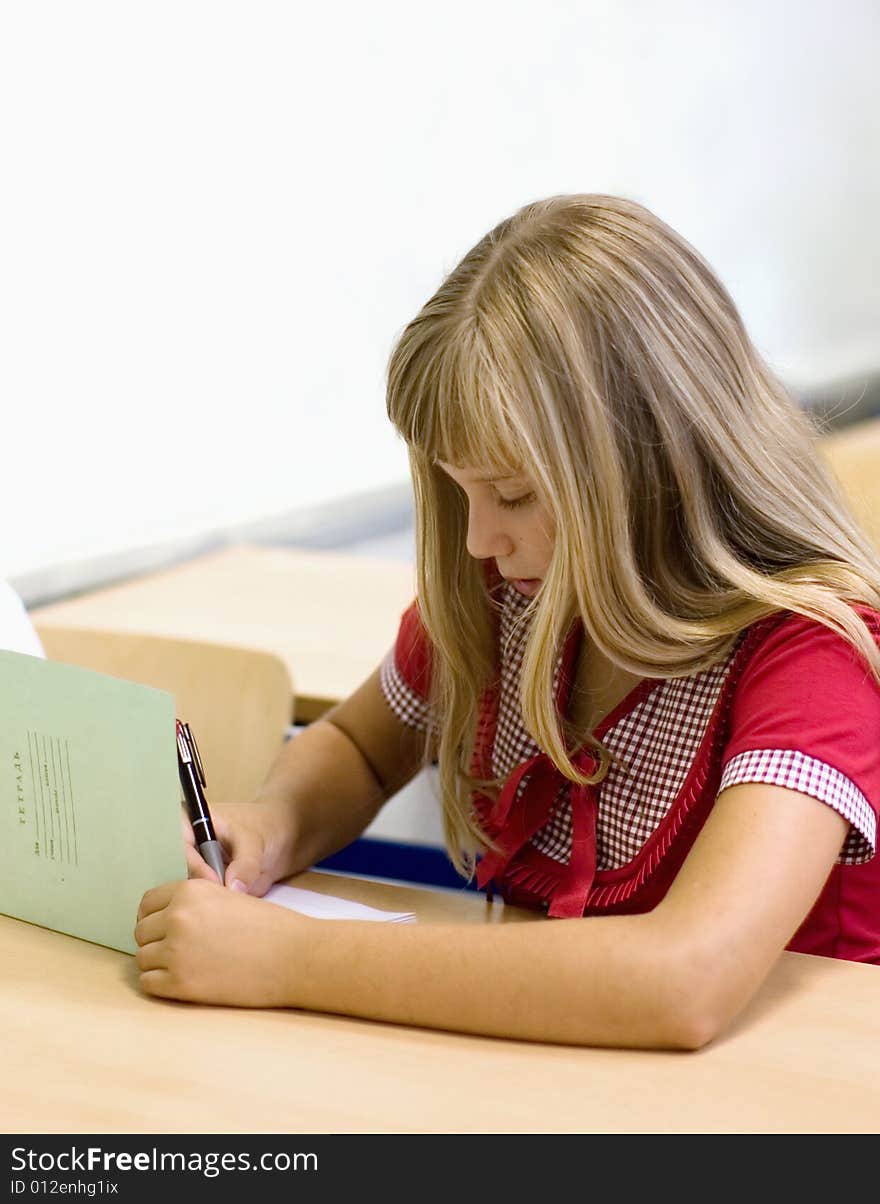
[{"x": 215, "y": 217}]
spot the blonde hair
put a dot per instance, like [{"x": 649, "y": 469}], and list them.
[{"x": 586, "y": 345}]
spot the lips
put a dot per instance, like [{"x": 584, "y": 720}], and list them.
[{"x": 525, "y": 585}]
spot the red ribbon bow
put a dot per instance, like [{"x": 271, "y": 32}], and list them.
[{"x": 512, "y": 826}]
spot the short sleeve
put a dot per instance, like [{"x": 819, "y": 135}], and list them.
[
  {"x": 806, "y": 715},
  {"x": 406, "y": 672}
]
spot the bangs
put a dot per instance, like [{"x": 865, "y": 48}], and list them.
[{"x": 449, "y": 401}]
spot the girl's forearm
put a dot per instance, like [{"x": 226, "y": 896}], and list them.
[{"x": 610, "y": 981}]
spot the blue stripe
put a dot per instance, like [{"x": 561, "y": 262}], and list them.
[{"x": 423, "y": 864}]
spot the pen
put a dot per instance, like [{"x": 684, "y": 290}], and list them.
[{"x": 192, "y": 779}]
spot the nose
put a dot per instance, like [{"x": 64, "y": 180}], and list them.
[{"x": 486, "y": 534}]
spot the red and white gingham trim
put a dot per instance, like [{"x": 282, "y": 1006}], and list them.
[
  {"x": 409, "y": 707},
  {"x": 790, "y": 768}
]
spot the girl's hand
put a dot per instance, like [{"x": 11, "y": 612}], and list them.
[
  {"x": 252, "y": 836},
  {"x": 202, "y": 944}
]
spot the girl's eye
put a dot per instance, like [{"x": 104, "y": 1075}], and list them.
[{"x": 512, "y": 503}]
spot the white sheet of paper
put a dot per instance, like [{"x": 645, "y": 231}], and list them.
[{"x": 329, "y": 907}]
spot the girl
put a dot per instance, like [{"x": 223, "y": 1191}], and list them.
[{"x": 643, "y": 656}]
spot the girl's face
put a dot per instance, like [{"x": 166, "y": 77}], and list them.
[{"x": 507, "y": 522}]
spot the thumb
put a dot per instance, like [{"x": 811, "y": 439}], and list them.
[{"x": 244, "y": 870}]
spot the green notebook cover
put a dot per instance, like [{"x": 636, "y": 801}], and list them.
[{"x": 89, "y": 798}]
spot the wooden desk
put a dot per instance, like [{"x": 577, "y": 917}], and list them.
[
  {"x": 84, "y": 1052},
  {"x": 330, "y": 617}
]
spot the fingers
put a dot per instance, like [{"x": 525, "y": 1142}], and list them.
[
  {"x": 246, "y": 865},
  {"x": 157, "y": 982},
  {"x": 243, "y": 851},
  {"x": 243, "y": 872},
  {"x": 150, "y": 957},
  {"x": 156, "y": 899},
  {"x": 150, "y": 928},
  {"x": 149, "y": 933},
  {"x": 196, "y": 865}
]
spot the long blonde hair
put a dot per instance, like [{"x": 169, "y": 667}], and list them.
[{"x": 585, "y": 344}]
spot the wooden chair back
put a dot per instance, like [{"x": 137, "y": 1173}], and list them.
[{"x": 238, "y": 701}]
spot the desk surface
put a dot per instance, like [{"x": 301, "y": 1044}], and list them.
[
  {"x": 330, "y": 617},
  {"x": 84, "y": 1052}
]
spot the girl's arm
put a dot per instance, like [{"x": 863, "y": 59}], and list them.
[{"x": 672, "y": 978}]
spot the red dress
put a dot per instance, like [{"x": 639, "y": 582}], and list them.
[{"x": 793, "y": 704}]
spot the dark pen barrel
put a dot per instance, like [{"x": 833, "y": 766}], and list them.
[{"x": 203, "y": 829}]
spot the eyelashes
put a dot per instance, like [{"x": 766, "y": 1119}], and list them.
[{"x": 513, "y": 503}]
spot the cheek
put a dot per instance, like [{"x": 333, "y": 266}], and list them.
[{"x": 541, "y": 535}]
